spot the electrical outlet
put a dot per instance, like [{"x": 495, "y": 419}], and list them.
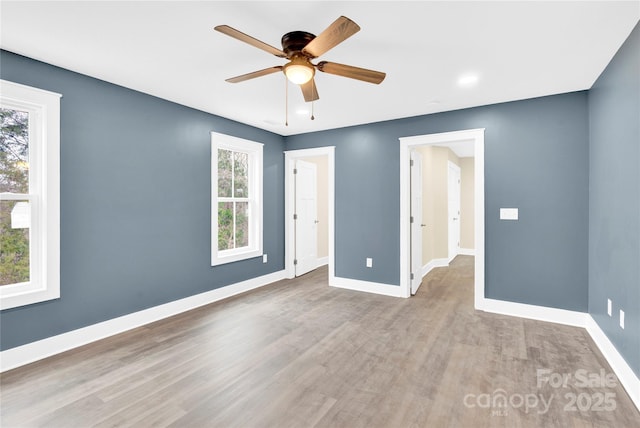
[
  {"x": 369, "y": 262},
  {"x": 609, "y": 305},
  {"x": 264, "y": 258},
  {"x": 622, "y": 319}
]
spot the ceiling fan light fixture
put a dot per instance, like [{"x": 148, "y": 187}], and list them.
[{"x": 299, "y": 71}]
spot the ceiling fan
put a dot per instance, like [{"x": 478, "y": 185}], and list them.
[{"x": 300, "y": 47}]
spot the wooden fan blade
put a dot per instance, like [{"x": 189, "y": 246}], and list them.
[
  {"x": 232, "y": 32},
  {"x": 341, "y": 29},
  {"x": 255, "y": 74},
  {"x": 309, "y": 91},
  {"x": 363, "y": 74}
]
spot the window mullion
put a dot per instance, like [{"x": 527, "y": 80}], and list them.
[{"x": 18, "y": 196}]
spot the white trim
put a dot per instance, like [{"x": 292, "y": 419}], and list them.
[
  {"x": 623, "y": 371},
  {"x": 367, "y": 286},
  {"x": 290, "y": 157},
  {"x": 254, "y": 151},
  {"x": 466, "y": 251},
  {"x": 539, "y": 313},
  {"x": 25, "y": 354},
  {"x": 432, "y": 264},
  {"x": 44, "y": 147},
  {"x": 406, "y": 143},
  {"x": 34, "y": 351}
]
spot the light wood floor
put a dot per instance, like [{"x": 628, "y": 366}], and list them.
[{"x": 302, "y": 354}]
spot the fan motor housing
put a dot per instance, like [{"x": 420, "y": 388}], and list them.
[{"x": 295, "y": 41}]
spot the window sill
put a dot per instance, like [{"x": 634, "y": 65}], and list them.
[
  {"x": 234, "y": 256},
  {"x": 13, "y": 296}
]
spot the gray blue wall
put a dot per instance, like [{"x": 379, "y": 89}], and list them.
[
  {"x": 135, "y": 200},
  {"x": 536, "y": 159},
  {"x": 135, "y": 203},
  {"x": 614, "y": 199}
]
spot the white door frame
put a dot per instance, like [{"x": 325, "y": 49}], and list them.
[
  {"x": 289, "y": 203},
  {"x": 406, "y": 143}
]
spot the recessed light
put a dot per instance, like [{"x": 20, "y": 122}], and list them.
[{"x": 468, "y": 80}]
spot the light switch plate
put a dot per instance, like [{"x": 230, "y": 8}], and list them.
[
  {"x": 609, "y": 307},
  {"x": 369, "y": 262},
  {"x": 264, "y": 258},
  {"x": 508, "y": 213},
  {"x": 622, "y": 319}
]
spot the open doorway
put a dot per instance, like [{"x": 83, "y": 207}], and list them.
[
  {"x": 473, "y": 139},
  {"x": 309, "y": 209},
  {"x": 436, "y": 216}
]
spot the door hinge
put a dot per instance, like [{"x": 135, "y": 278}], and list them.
[
  {"x": 295, "y": 170},
  {"x": 295, "y": 262},
  {"x": 412, "y": 276},
  {"x": 411, "y": 219},
  {"x": 411, "y": 162},
  {"x": 295, "y": 216}
]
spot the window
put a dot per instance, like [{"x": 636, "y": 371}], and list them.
[
  {"x": 29, "y": 195},
  {"x": 236, "y": 201}
]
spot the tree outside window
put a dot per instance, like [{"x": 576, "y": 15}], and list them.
[
  {"x": 236, "y": 199},
  {"x": 29, "y": 195},
  {"x": 14, "y": 178},
  {"x": 233, "y": 199}
]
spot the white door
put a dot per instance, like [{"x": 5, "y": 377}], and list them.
[
  {"x": 306, "y": 217},
  {"x": 453, "y": 191},
  {"x": 416, "y": 221}
]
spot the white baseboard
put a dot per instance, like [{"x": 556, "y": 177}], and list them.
[
  {"x": 366, "y": 286},
  {"x": 623, "y": 371},
  {"x": 322, "y": 261},
  {"x": 540, "y": 313},
  {"x": 34, "y": 351},
  {"x": 466, "y": 251},
  {"x": 25, "y": 354},
  {"x": 432, "y": 264}
]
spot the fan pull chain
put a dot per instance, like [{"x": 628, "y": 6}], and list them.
[
  {"x": 315, "y": 94},
  {"x": 286, "y": 101}
]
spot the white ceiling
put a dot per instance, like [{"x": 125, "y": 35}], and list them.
[{"x": 169, "y": 49}]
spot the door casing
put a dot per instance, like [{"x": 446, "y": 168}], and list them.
[
  {"x": 290, "y": 157},
  {"x": 475, "y": 137}
]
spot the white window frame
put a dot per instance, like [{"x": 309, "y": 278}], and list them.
[
  {"x": 44, "y": 194},
  {"x": 254, "y": 150}
]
